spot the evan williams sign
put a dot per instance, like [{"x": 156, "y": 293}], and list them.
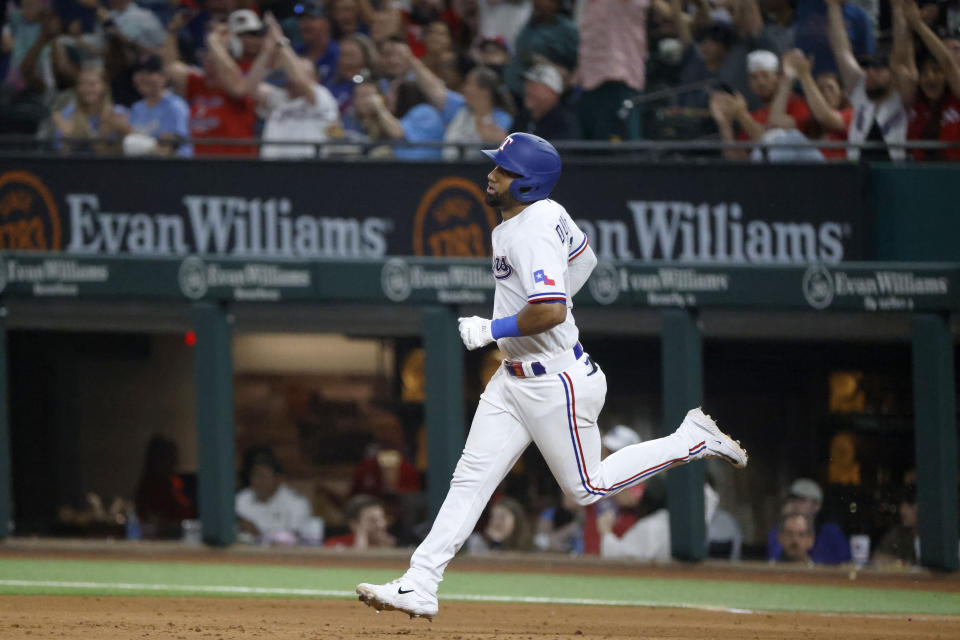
[
  {"x": 29, "y": 218},
  {"x": 707, "y": 214},
  {"x": 223, "y": 225}
]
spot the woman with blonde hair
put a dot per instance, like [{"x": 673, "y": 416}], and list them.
[
  {"x": 91, "y": 114},
  {"x": 486, "y": 116}
]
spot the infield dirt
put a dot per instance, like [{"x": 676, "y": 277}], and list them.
[{"x": 111, "y": 618}]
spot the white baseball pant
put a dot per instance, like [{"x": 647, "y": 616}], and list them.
[{"x": 558, "y": 412}]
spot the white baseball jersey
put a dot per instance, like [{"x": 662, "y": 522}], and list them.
[
  {"x": 556, "y": 410},
  {"x": 530, "y": 256}
]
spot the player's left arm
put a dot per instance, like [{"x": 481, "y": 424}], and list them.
[{"x": 580, "y": 267}]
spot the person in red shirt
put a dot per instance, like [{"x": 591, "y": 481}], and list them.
[
  {"x": 932, "y": 93},
  {"x": 765, "y": 79},
  {"x": 221, "y": 106},
  {"x": 830, "y": 110}
]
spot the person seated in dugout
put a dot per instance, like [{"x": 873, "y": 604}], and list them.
[
  {"x": 269, "y": 511},
  {"x": 899, "y": 544},
  {"x": 796, "y": 538},
  {"x": 507, "y": 529},
  {"x": 160, "y": 500},
  {"x": 831, "y": 546},
  {"x": 368, "y": 524}
]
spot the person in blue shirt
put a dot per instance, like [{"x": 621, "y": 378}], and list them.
[
  {"x": 811, "y": 32},
  {"x": 315, "y": 40},
  {"x": 160, "y": 113},
  {"x": 830, "y": 545},
  {"x": 411, "y": 119}
]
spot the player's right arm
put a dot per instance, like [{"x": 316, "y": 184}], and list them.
[{"x": 540, "y": 263}]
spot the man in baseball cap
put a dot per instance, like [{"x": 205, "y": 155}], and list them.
[
  {"x": 764, "y": 78},
  {"x": 805, "y": 497},
  {"x": 247, "y": 31},
  {"x": 543, "y": 113}
]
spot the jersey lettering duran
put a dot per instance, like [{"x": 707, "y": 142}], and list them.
[{"x": 531, "y": 252}]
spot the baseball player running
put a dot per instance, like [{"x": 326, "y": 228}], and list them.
[{"x": 548, "y": 391}]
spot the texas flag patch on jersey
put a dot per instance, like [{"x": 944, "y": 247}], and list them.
[{"x": 540, "y": 277}]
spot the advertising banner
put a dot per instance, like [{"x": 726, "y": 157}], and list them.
[
  {"x": 889, "y": 287},
  {"x": 708, "y": 214}
]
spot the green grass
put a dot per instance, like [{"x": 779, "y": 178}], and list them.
[{"x": 111, "y": 577}]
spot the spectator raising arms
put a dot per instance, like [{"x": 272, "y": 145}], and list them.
[
  {"x": 765, "y": 82},
  {"x": 485, "y": 118},
  {"x": 932, "y": 94},
  {"x": 302, "y": 111},
  {"x": 830, "y": 110},
  {"x": 719, "y": 54},
  {"x": 220, "y": 106},
  {"x": 247, "y": 34},
  {"x": 813, "y": 38},
  {"x": 871, "y": 85},
  {"x": 412, "y": 119}
]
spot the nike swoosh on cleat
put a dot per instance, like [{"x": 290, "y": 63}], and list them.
[{"x": 402, "y": 592}]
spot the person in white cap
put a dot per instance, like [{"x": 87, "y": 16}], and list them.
[
  {"x": 543, "y": 113},
  {"x": 247, "y": 32},
  {"x": 727, "y": 109}
]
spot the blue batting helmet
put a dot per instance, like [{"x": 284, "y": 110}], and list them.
[{"x": 534, "y": 159}]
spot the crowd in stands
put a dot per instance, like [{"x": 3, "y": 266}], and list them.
[{"x": 348, "y": 77}]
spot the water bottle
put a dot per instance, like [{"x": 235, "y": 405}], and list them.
[{"x": 133, "y": 525}]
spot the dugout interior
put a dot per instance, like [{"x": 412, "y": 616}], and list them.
[{"x": 319, "y": 385}]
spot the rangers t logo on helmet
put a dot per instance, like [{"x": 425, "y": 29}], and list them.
[{"x": 532, "y": 158}]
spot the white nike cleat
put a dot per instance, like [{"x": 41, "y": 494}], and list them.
[
  {"x": 708, "y": 441},
  {"x": 399, "y": 595}
]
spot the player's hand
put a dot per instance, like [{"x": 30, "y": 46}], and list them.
[{"x": 475, "y": 332}]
